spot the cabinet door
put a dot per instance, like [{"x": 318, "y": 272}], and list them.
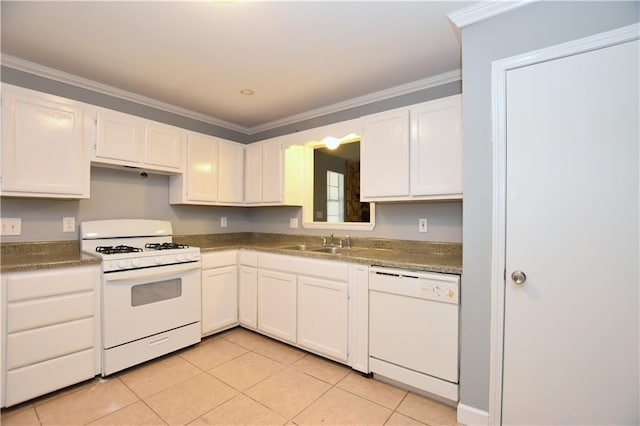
[
  {"x": 163, "y": 146},
  {"x": 323, "y": 324},
  {"x": 384, "y": 152},
  {"x": 230, "y": 172},
  {"x": 253, "y": 173},
  {"x": 436, "y": 147},
  {"x": 219, "y": 298},
  {"x": 277, "y": 304},
  {"x": 43, "y": 148},
  {"x": 202, "y": 160},
  {"x": 120, "y": 137},
  {"x": 272, "y": 172},
  {"x": 248, "y": 296}
]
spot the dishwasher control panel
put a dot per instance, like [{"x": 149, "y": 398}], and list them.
[{"x": 423, "y": 285}]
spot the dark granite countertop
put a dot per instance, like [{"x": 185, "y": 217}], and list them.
[
  {"x": 404, "y": 254},
  {"x": 43, "y": 255}
]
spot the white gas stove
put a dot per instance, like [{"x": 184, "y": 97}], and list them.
[
  {"x": 151, "y": 295},
  {"x": 134, "y": 244}
]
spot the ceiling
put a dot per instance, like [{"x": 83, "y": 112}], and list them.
[{"x": 295, "y": 56}]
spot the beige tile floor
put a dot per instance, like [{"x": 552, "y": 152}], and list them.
[{"x": 236, "y": 377}]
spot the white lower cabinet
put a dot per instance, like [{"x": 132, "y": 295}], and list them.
[
  {"x": 317, "y": 305},
  {"x": 51, "y": 334},
  {"x": 277, "y": 304},
  {"x": 248, "y": 296},
  {"x": 219, "y": 291},
  {"x": 323, "y": 316}
]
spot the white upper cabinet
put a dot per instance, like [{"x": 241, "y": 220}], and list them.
[
  {"x": 413, "y": 153},
  {"x": 127, "y": 140},
  {"x": 45, "y": 145},
  {"x": 253, "y": 174},
  {"x": 273, "y": 174},
  {"x": 120, "y": 138},
  {"x": 436, "y": 148},
  {"x": 384, "y": 155},
  {"x": 230, "y": 172},
  {"x": 213, "y": 172},
  {"x": 164, "y": 145}
]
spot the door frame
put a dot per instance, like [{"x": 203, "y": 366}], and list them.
[{"x": 499, "y": 70}]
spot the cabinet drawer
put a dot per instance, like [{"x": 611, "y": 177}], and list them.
[
  {"x": 32, "y": 346},
  {"x": 326, "y": 269},
  {"x": 219, "y": 259},
  {"x": 249, "y": 258},
  {"x": 35, "y": 313},
  {"x": 35, "y": 380},
  {"x": 29, "y": 285}
]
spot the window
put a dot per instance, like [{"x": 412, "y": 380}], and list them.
[{"x": 335, "y": 197}]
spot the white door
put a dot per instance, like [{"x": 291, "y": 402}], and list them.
[{"x": 571, "y": 328}]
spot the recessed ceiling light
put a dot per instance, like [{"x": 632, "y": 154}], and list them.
[{"x": 247, "y": 92}]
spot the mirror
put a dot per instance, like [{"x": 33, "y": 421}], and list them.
[{"x": 333, "y": 188}]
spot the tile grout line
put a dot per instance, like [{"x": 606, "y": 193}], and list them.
[{"x": 141, "y": 400}]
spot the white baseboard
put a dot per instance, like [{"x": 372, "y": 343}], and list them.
[{"x": 472, "y": 416}]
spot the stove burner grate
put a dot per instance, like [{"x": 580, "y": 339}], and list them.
[
  {"x": 117, "y": 249},
  {"x": 165, "y": 246}
]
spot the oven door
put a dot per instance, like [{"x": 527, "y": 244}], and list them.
[{"x": 143, "y": 302}]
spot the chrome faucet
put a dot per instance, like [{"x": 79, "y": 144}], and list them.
[{"x": 346, "y": 239}]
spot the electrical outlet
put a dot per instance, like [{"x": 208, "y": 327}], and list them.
[
  {"x": 293, "y": 222},
  {"x": 11, "y": 226},
  {"x": 68, "y": 224},
  {"x": 223, "y": 222},
  {"x": 422, "y": 225}
]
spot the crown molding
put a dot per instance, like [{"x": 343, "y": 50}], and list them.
[
  {"x": 381, "y": 95},
  {"x": 483, "y": 10},
  {"x": 77, "y": 81},
  {"x": 74, "y": 80}
]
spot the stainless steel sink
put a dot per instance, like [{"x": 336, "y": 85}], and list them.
[
  {"x": 332, "y": 250},
  {"x": 318, "y": 249},
  {"x": 299, "y": 247}
]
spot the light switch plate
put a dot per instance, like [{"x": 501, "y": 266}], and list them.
[
  {"x": 11, "y": 226},
  {"x": 68, "y": 224},
  {"x": 223, "y": 222},
  {"x": 422, "y": 225},
  {"x": 293, "y": 222}
]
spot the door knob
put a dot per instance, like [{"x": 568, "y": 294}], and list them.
[{"x": 518, "y": 277}]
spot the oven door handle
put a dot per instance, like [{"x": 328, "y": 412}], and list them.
[{"x": 144, "y": 275}]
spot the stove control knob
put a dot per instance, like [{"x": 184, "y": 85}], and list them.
[
  {"x": 122, "y": 264},
  {"x": 190, "y": 257},
  {"x": 135, "y": 263},
  {"x": 159, "y": 261},
  {"x": 180, "y": 258}
]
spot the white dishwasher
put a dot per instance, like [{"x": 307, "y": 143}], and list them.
[{"x": 413, "y": 329}]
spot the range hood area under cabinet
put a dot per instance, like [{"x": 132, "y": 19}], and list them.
[{"x": 206, "y": 170}]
